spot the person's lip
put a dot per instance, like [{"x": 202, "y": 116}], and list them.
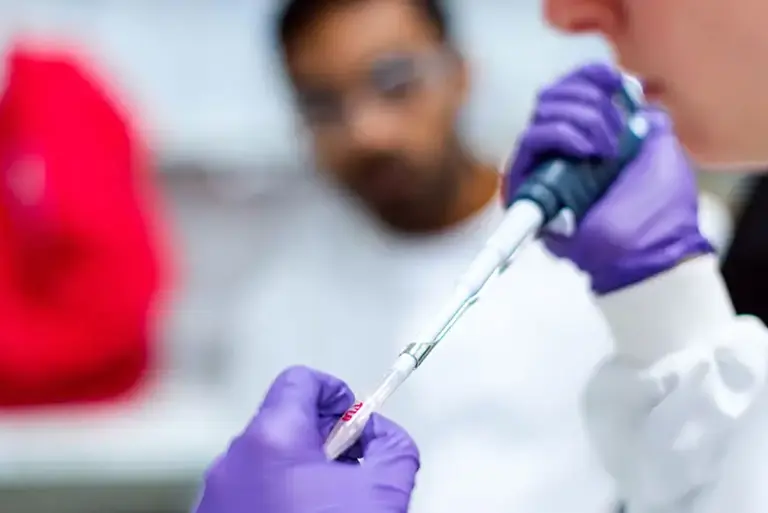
[{"x": 653, "y": 90}]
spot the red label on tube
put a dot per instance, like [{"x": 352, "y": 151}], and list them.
[{"x": 351, "y": 412}]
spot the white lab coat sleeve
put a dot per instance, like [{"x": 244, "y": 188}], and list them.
[{"x": 667, "y": 411}]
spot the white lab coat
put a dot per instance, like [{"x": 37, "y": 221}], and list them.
[
  {"x": 679, "y": 415},
  {"x": 495, "y": 408}
]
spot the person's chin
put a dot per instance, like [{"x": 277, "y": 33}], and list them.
[
  {"x": 713, "y": 161},
  {"x": 715, "y": 155},
  {"x": 734, "y": 167}
]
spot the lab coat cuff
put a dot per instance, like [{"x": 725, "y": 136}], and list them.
[{"x": 669, "y": 312}]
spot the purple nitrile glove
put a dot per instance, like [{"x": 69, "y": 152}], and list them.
[
  {"x": 648, "y": 220},
  {"x": 277, "y": 465}
]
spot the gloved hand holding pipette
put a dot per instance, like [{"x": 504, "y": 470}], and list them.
[
  {"x": 647, "y": 222},
  {"x": 676, "y": 415}
]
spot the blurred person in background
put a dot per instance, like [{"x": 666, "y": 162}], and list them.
[
  {"x": 380, "y": 84},
  {"x": 79, "y": 266}
]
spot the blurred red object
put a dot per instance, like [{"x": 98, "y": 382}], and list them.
[{"x": 80, "y": 265}]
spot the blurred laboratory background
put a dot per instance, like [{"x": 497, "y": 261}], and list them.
[{"x": 232, "y": 174}]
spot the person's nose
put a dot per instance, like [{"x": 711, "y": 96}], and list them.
[
  {"x": 371, "y": 128},
  {"x": 582, "y": 16}
]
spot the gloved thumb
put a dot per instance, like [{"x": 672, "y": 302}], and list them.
[
  {"x": 604, "y": 75},
  {"x": 291, "y": 415},
  {"x": 390, "y": 454}
]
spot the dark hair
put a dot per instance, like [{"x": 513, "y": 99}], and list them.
[{"x": 295, "y": 15}]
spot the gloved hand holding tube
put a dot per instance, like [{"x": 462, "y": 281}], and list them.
[
  {"x": 647, "y": 221},
  {"x": 277, "y": 465}
]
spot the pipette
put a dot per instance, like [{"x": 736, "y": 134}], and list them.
[{"x": 555, "y": 197}]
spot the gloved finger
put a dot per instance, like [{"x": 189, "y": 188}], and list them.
[
  {"x": 586, "y": 95},
  {"x": 539, "y": 143},
  {"x": 313, "y": 392},
  {"x": 390, "y": 452},
  {"x": 658, "y": 119},
  {"x": 604, "y": 76},
  {"x": 559, "y": 139},
  {"x": 289, "y": 417},
  {"x": 586, "y": 118},
  {"x": 574, "y": 90}
]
